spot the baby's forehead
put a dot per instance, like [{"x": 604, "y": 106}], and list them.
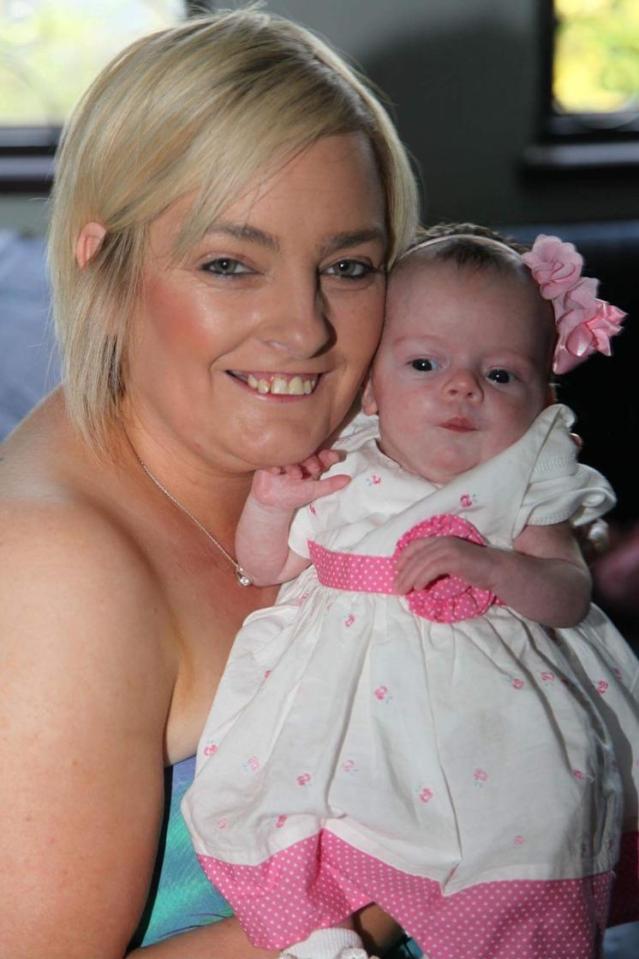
[
  {"x": 477, "y": 262},
  {"x": 412, "y": 279}
]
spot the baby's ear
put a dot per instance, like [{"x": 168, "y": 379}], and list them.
[
  {"x": 369, "y": 403},
  {"x": 88, "y": 243}
]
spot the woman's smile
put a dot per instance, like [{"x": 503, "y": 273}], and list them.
[{"x": 277, "y": 384}]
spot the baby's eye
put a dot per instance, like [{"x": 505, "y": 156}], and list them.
[
  {"x": 225, "y": 266},
  {"x": 500, "y": 376},
  {"x": 349, "y": 269},
  {"x": 424, "y": 364}
]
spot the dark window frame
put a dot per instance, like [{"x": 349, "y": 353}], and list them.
[
  {"x": 27, "y": 152},
  {"x": 568, "y": 142}
]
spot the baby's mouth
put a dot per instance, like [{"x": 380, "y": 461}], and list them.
[
  {"x": 278, "y": 384},
  {"x": 459, "y": 424}
]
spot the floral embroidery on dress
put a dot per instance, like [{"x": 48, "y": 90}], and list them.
[
  {"x": 426, "y": 795},
  {"x": 303, "y": 779}
]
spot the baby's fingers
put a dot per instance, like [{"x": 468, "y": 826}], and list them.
[
  {"x": 296, "y": 471},
  {"x": 409, "y": 579},
  {"x": 332, "y": 484},
  {"x": 319, "y": 462},
  {"x": 421, "y": 562},
  {"x": 329, "y": 457}
]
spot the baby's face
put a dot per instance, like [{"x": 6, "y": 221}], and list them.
[{"x": 462, "y": 369}]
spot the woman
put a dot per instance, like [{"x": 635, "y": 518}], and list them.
[{"x": 228, "y": 198}]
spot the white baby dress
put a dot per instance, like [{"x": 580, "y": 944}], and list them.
[{"x": 472, "y": 777}]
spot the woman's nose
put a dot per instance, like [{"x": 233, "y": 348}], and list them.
[
  {"x": 462, "y": 383},
  {"x": 298, "y": 322}
]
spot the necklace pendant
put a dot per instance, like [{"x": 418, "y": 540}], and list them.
[{"x": 243, "y": 578}]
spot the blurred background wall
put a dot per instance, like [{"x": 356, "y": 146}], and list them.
[{"x": 464, "y": 81}]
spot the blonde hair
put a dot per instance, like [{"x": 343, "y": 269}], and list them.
[{"x": 200, "y": 108}]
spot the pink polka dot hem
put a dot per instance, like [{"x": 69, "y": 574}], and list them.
[{"x": 321, "y": 880}]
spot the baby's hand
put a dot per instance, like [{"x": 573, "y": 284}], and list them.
[
  {"x": 289, "y": 487},
  {"x": 425, "y": 560}
]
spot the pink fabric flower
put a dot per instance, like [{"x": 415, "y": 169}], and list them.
[
  {"x": 584, "y": 322},
  {"x": 555, "y": 265},
  {"x": 448, "y": 599}
]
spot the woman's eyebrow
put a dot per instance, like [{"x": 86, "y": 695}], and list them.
[
  {"x": 339, "y": 241},
  {"x": 242, "y": 231},
  {"x": 351, "y": 238}
]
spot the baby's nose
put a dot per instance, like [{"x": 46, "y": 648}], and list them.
[{"x": 462, "y": 383}]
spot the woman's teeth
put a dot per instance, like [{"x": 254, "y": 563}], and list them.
[{"x": 283, "y": 385}]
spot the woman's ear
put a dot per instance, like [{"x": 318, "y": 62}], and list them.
[
  {"x": 88, "y": 243},
  {"x": 369, "y": 403}
]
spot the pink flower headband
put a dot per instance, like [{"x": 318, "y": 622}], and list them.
[{"x": 584, "y": 322}]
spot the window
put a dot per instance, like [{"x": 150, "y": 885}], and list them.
[
  {"x": 590, "y": 100},
  {"x": 50, "y": 50}
]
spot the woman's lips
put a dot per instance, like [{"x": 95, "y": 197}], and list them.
[{"x": 459, "y": 425}]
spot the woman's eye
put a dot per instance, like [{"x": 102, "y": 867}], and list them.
[
  {"x": 500, "y": 376},
  {"x": 424, "y": 364},
  {"x": 225, "y": 266},
  {"x": 349, "y": 269}
]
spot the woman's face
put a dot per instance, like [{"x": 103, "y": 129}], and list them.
[{"x": 251, "y": 351}]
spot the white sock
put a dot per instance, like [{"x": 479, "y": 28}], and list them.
[{"x": 323, "y": 944}]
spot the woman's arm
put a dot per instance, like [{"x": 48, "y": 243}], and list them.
[
  {"x": 225, "y": 940},
  {"x": 543, "y": 578},
  {"x": 85, "y": 691},
  {"x": 88, "y": 671}
]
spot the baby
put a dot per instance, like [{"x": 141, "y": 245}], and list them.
[{"x": 433, "y": 717}]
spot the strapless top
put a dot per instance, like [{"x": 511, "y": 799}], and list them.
[{"x": 181, "y": 896}]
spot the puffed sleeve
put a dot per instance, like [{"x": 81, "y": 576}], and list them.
[{"x": 562, "y": 489}]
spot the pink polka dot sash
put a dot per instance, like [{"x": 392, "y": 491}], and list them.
[{"x": 448, "y": 599}]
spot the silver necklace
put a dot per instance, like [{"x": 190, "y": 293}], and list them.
[{"x": 241, "y": 576}]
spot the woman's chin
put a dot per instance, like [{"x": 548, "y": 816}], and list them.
[{"x": 282, "y": 446}]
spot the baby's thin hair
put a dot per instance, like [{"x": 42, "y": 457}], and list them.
[{"x": 468, "y": 245}]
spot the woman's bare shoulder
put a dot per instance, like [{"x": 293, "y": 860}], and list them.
[
  {"x": 88, "y": 674},
  {"x": 70, "y": 563}
]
